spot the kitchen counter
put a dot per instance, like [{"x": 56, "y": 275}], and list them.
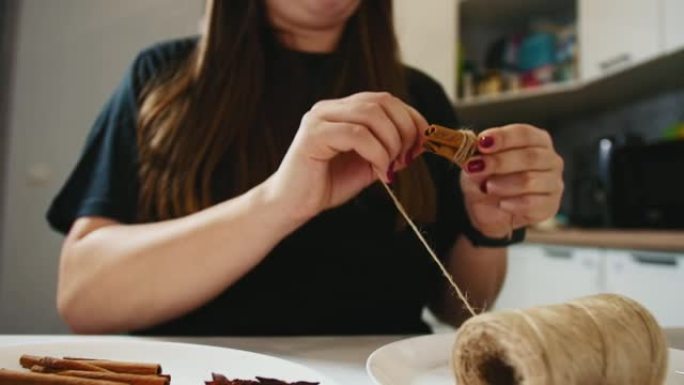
[{"x": 655, "y": 240}]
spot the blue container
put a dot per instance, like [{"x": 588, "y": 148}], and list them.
[{"x": 537, "y": 50}]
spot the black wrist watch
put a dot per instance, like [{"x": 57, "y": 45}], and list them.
[{"x": 480, "y": 240}]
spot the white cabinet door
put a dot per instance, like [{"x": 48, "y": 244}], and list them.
[
  {"x": 539, "y": 275},
  {"x": 673, "y": 13},
  {"x": 616, "y": 34},
  {"x": 656, "y": 280}
]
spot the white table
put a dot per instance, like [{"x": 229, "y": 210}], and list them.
[{"x": 343, "y": 359}]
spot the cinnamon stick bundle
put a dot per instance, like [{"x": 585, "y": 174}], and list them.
[
  {"x": 458, "y": 146},
  {"x": 84, "y": 371},
  {"x": 12, "y": 377}
]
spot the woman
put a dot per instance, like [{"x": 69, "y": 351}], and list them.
[{"x": 212, "y": 198}]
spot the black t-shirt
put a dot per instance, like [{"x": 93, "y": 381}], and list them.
[{"x": 347, "y": 271}]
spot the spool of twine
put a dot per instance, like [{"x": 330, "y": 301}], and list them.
[{"x": 603, "y": 339}]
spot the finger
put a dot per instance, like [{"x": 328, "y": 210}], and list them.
[
  {"x": 369, "y": 114},
  {"x": 514, "y": 161},
  {"x": 522, "y": 183},
  {"x": 474, "y": 191},
  {"x": 422, "y": 125},
  {"x": 472, "y": 187},
  {"x": 333, "y": 138},
  {"x": 533, "y": 208},
  {"x": 512, "y": 136},
  {"x": 400, "y": 114}
]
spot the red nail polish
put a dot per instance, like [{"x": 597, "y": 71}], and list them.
[
  {"x": 409, "y": 158},
  {"x": 390, "y": 173},
  {"x": 476, "y": 165},
  {"x": 483, "y": 187},
  {"x": 486, "y": 142}
]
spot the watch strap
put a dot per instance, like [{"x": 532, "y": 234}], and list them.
[{"x": 480, "y": 240}]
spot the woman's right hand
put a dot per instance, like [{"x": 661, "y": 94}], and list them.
[{"x": 341, "y": 147}]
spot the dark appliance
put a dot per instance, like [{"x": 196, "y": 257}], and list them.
[
  {"x": 591, "y": 181},
  {"x": 620, "y": 182},
  {"x": 647, "y": 186}
]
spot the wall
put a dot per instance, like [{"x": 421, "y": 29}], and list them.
[
  {"x": 7, "y": 37},
  {"x": 69, "y": 56},
  {"x": 427, "y": 34}
]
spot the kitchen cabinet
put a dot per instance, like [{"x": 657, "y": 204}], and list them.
[
  {"x": 673, "y": 15},
  {"x": 656, "y": 280},
  {"x": 542, "y": 274},
  {"x": 617, "y": 34},
  {"x": 539, "y": 275},
  {"x": 620, "y": 45}
]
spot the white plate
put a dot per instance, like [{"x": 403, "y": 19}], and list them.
[
  {"x": 425, "y": 360},
  {"x": 187, "y": 364}
]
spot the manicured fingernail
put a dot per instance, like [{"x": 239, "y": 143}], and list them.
[
  {"x": 486, "y": 142},
  {"x": 408, "y": 158},
  {"x": 390, "y": 173},
  {"x": 476, "y": 165},
  {"x": 483, "y": 187}
]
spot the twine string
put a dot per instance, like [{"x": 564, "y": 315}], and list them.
[
  {"x": 465, "y": 148},
  {"x": 439, "y": 263}
]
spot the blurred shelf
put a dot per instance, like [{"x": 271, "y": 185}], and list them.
[
  {"x": 526, "y": 93},
  {"x": 556, "y": 101},
  {"x": 655, "y": 240}
]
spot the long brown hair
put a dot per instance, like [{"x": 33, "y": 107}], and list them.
[{"x": 206, "y": 108}]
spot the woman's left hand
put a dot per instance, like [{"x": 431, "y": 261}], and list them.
[{"x": 515, "y": 181}]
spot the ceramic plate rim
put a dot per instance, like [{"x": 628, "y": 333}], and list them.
[{"x": 371, "y": 362}]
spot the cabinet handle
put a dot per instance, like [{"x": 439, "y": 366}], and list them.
[
  {"x": 555, "y": 252},
  {"x": 655, "y": 259},
  {"x": 618, "y": 60}
]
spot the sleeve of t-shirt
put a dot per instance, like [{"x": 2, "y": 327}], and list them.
[
  {"x": 429, "y": 98},
  {"x": 104, "y": 181}
]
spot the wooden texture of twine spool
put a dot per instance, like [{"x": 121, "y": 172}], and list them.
[{"x": 603, "y": 339}]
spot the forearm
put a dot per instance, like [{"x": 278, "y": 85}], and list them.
[
  {"x": 479, "y": 272},
  {"x": 124, "y": 277}
]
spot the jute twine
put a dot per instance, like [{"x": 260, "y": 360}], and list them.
[
  {"x": 466, "y": 149},
  {"x": 604, "y": 339}
]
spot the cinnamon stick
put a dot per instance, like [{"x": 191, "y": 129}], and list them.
[
  {"x": 121, "y": 366},
  {"x": 51, "y": 364},
  {"x": 12, "y": 377},
  {"x": 456, "y": 145},
  {"x": 130, "y": 379}
]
